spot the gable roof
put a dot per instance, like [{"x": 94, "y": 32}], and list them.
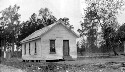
[{"x": 36, "y": 35}]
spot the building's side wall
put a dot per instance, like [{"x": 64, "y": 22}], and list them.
[
  {"x": 32, "y": 55},
  {"x": 59, "y": 33}
]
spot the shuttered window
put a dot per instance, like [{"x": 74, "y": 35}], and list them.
[
  {"x": 24, "y": 49},
  {"x": 29, "y": 48},
  {"x": 35, "y": 48},
  {"x": 52, "y": 46}
]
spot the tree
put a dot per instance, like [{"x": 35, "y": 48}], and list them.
[
  {"x": 10, "y": 19},
  {"x": 36, "y": 22},
  {"x": 46, "y": 16},
  {"x": 110, "y": 38},
  {"x": 120, "y": 35},
  {"x": 105, "y": 11},
  {"x": 89, "y": 28},
  {"x": 66, "y": 22}
]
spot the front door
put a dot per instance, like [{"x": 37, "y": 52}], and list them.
[{"x": 65, "y": 47}]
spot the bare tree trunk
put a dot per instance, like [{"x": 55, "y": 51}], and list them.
[
  {"x": 115, "y": 53},
  {"x": 4, "y": 47}
]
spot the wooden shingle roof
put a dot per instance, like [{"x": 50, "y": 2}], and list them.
[{"x": 35, "y": 35}]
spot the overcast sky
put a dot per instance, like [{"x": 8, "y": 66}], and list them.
[{"x": 60, "y": 8}]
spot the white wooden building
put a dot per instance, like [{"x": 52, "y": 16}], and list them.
[{"x": 55, "y": 41}]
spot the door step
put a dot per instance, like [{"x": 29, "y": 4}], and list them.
[{"x": 67, "y": 58}]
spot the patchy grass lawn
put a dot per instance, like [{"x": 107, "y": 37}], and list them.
[{"x": 100, "y": 64}]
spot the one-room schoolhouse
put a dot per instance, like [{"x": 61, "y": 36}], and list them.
[{"x": 56, "y": 41}]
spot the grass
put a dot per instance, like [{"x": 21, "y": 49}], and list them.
[{"x": 93, "y": 64}]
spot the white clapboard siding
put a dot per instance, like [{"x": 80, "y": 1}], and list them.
[
  {"x": 56, "y": 31},
  {"x": 59, "y": 33}
]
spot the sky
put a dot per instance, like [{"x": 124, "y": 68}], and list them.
[
  {"x": 72, "y": 9},
  {"x": 59, "y": 8}
]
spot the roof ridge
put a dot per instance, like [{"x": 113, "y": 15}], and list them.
[{"x": 36, "y": 34}]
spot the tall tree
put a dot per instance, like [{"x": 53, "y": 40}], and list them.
[
  {"x": 46, "y": 16},
  {"x": 120, "y": 35},
  {"x": 89, "y": 28},
  {"x": 36, "y": 22},
  {"x": 105, "y": 12},
  {"x": 10, "y": 19}
]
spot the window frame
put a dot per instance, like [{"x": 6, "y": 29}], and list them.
[
  {"x": 25, "y": 49},
  {"x": 54, "y": 50},
  {"x": 29, "y": 49},
  {"x": 35, "y": 52}
]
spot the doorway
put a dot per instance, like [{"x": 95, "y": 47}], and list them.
[{"x": 65, "y": 47}]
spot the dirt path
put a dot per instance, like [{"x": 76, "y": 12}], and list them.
[
  {"x": 95, "y": 60},
  {"x": 4, "y": 68}
]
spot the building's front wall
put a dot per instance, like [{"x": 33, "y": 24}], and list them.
[
  {"x": 59, "y": 33},
  {"x": 32, "y": 55}
]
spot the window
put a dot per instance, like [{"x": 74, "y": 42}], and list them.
[
  {"x": 29, "y": 48},
  {"x": 52, "y": 46},
  {"x": 35, "y": 49},
  {"x": 24, "y": 49}
]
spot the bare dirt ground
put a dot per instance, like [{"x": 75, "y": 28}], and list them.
[{"x": 83, "y": 64}]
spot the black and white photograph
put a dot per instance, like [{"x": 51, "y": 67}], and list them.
[{"x": 62, "y": 35}]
